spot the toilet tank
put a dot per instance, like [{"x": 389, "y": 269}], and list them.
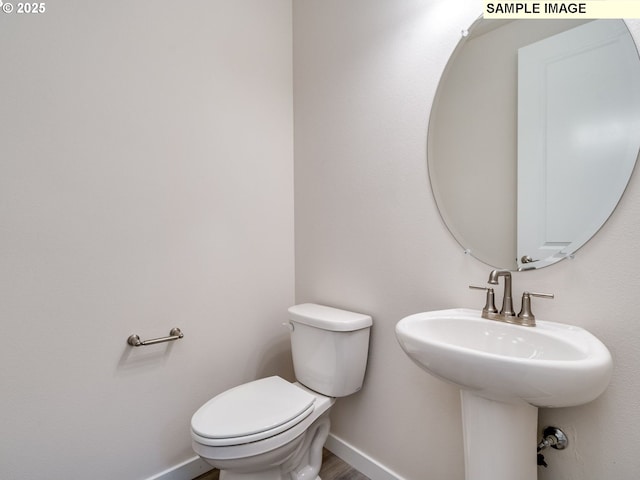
[{"x": 330, "y": 348}]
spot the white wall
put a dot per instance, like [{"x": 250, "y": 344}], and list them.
[
  {"x": 369, "y": 238},
  {"x": 146, "y": 182}
]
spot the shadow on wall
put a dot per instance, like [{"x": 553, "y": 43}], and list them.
[
  {"x": 273, "y": 359},
  {"x": 147, "y": 357}
]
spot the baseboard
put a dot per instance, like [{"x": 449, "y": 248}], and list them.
[
  {"x": 186, "y": 470},
  {"x": 362, "y": 462},
  {"x": 359, "y": 460}
]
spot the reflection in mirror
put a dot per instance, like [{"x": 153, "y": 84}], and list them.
[{"x": 533, "y": 136}]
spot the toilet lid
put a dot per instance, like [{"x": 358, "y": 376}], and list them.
[{"x": 256, "y": 410}]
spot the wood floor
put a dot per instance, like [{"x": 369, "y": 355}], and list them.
[{"x": 333, "y": 468}]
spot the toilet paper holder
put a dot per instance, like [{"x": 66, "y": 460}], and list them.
[{"x": 174, "y": 334}]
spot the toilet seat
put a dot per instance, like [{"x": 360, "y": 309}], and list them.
[{"x": 251, "y": 412}]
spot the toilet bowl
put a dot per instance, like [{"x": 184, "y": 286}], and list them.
[
  {"x": 269, "y": 425},
  {"x": 272, "y": 429}
]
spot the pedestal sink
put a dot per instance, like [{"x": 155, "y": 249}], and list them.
[{"x": 505, "y": 373}]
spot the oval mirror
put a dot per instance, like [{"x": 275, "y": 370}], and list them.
[{"x": 533, "y": 136}]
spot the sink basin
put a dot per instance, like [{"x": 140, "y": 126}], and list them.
[{"x": 550, "y": 365}]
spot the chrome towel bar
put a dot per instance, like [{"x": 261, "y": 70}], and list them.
[{"x": 174, "y": 334}]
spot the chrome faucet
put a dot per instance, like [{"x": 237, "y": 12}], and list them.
[{"x": 507, "y": 311}]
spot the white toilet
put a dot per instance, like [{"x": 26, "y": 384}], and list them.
[{"x": 271, "y": 429}]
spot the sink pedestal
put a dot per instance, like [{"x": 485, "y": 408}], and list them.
[{"x": 499, "y": 439}]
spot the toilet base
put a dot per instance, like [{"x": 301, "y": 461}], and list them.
[{"x": 298, "y": 460}]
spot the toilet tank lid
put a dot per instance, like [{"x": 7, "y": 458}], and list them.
[{"x": 329, "y": 318}]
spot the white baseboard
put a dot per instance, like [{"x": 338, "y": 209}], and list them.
[
  {"x": 362, "y": 462},
  {"x": 186, "y": 470},
  {"x": 359, "y": 460}
]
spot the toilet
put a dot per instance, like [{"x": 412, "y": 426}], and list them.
[{"x": 272, "y": 429}]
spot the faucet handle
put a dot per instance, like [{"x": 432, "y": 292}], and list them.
[
  {"x": 489, "y": 311},
  {"x": 526, "y": 316}
]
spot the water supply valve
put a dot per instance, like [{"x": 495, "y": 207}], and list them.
[{"x": 551, "y": 437}]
